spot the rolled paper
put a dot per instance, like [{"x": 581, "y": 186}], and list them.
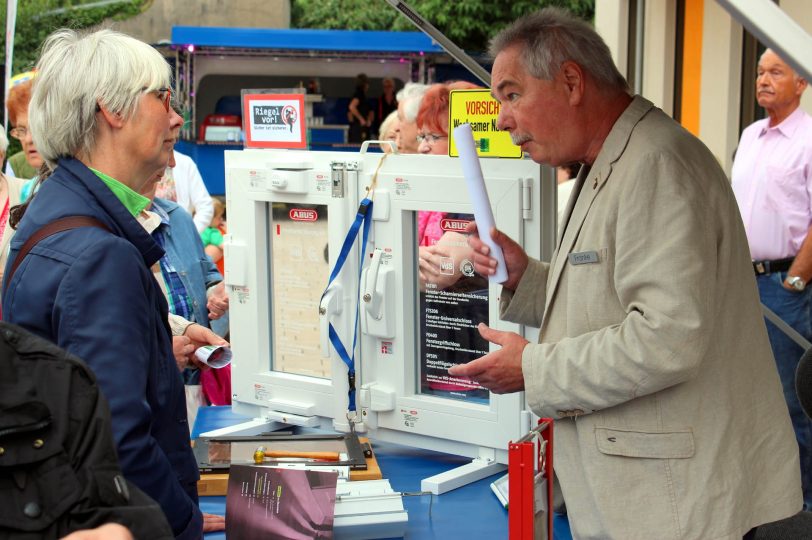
[
  {"x": 483, "y": 214},
  {"x": 214, "y": 356}
]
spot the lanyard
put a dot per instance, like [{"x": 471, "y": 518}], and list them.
[{"x": 362, "y": 218}]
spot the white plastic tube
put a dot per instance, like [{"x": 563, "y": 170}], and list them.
[{"x": 464, "y": 138}]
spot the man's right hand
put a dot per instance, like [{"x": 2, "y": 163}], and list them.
[
  {"x": 183, "y": 349},
  {"x": 515, "y": 257}
]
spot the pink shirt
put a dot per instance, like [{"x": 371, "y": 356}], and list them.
[{"x": 772, "y": 180}]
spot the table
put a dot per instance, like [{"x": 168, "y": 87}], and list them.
[{"x": 471, "y": 511}]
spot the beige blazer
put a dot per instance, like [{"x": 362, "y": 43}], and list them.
[
  {"x": 654, "y": 358},
  {"x": 14, "y": 187}
]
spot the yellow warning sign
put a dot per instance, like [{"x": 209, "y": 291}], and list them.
[{"x": 480, "y": 109}]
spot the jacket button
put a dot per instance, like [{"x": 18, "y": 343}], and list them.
[
  {"x": 32, "y": 510},
  {"x": 2, "y": 450},
  {"x": 38, "y": 443}
]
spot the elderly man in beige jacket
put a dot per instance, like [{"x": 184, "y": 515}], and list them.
[{"x": 653, "y": 354}]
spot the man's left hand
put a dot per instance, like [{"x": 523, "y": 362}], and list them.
[
  {"x": 499, "y": 371},
  {"x": 218, "y": 301}
]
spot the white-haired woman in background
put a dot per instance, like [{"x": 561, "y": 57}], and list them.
[
  {"x": 389, "y": 130},
  {"x": 9, "y": 196},
  {"x": 101, "y": 118}
]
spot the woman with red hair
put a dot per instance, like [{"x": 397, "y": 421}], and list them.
[
  {"x": 432, "y": 118},
  {"x": 432, "y": 137},
  {"x": 23, "y": 164}
]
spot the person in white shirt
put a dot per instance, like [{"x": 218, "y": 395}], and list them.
[{"x": 184, "y": 185}]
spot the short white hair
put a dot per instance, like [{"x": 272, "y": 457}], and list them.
[
  {"x": 76, "y": 74},
  {"x": 3, "y": 142},
  {"x": 387, "y": 124},
  {"x": 410, "y": 97}
]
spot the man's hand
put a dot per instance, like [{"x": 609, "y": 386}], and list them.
[
  {"x": 218, "y": 301},
  {"x": 198, "y": 336},
  {"x": 213, "y": 523},
  {"x": 515, "y": 257},
  {"x": 499, "y": 371},
  {"x": 183, "y": 349}
]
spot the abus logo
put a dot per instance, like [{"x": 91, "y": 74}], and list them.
[
  {"x": 453, "y": 224},
  {"x": 303, "y": 214}
]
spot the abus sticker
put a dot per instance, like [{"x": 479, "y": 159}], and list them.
[
  {"x": 453, "y": 224},
  {"x": 303, "y": 214}
]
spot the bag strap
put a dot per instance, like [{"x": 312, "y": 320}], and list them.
[{"x": 63, "y": 224}]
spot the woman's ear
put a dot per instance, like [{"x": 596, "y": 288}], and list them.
[{"x": 114, "y": 119}]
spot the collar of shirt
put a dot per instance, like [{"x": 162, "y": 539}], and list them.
[
  {"x": 161, "y": 212},
  {"x": 149, "y": 220},
  {"x": 786, "y": 128},
  {"x": 132, "y": 201}
]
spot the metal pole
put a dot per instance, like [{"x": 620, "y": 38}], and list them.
[{"x": 775, "y": 29}]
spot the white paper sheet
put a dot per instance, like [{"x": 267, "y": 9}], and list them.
[{"x": 483, "y": 214}]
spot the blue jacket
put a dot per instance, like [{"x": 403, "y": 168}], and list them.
[
  {"x": 185, "y": 251},
  {"x": 93, "y": 294}
]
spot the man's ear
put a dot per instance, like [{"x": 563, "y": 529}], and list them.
[
  {"x": 800, "y": 85},
  {"x": 115, "y": 120},
  {"x": 573, "y": 77}
]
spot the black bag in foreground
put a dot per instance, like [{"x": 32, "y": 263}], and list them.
[{"x": 59, "y": 470}]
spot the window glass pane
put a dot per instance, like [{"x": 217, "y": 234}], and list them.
[
  {"x": 452, "y": 301},
  {"x": 300, "y": 272}
]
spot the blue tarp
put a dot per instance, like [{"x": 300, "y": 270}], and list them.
[{"x": 305, "y": 39}]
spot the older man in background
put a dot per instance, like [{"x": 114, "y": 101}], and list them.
[
  {"x": 772, "y": 179},
  {"x": 653, "y": 356}
]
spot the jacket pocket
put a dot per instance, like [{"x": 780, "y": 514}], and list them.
[{"x": 645, "y": 444}]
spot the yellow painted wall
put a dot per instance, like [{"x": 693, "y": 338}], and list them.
[{"x": 692, "y": 65}]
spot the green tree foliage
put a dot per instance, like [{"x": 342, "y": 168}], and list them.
[
  {"x": 468, "y": 23},
  {"x": 38, "y": 18}
]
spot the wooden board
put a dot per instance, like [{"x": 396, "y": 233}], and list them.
[{"x": 211, "y": 484}]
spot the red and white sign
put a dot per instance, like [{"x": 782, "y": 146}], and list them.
[
  {"x": 303, "y": 214},
  {"x": 274, "y": 121},
  {"x": 455, "y": 225}
]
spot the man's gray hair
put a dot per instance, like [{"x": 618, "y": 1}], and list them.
[
  {"x": 551, "y": 36},
  {"x": 76, "y": 74},
  {"x": 410, "y": 96}
]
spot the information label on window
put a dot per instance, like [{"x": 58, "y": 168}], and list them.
[{"x": 453, "y": 300}]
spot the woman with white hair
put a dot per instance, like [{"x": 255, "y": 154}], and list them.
[
  {"x": 101, "y": 118},
  {"x": 9, "y": 196}
]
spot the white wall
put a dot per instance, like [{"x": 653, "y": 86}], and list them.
[
  {"x": 720, "y": 95},
  {"x": 801, "y": 12},
  {"x": 658, "y": 53},
  {"x": 612, "y": 23}
]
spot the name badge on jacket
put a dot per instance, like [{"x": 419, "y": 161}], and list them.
[{"x": 583, "y": 257}]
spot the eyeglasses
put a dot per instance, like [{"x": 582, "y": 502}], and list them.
[
  {"x": 19, "y": 132},
  {"x": 430, "y": 138},
  {"x": 165, "y": 95}
]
